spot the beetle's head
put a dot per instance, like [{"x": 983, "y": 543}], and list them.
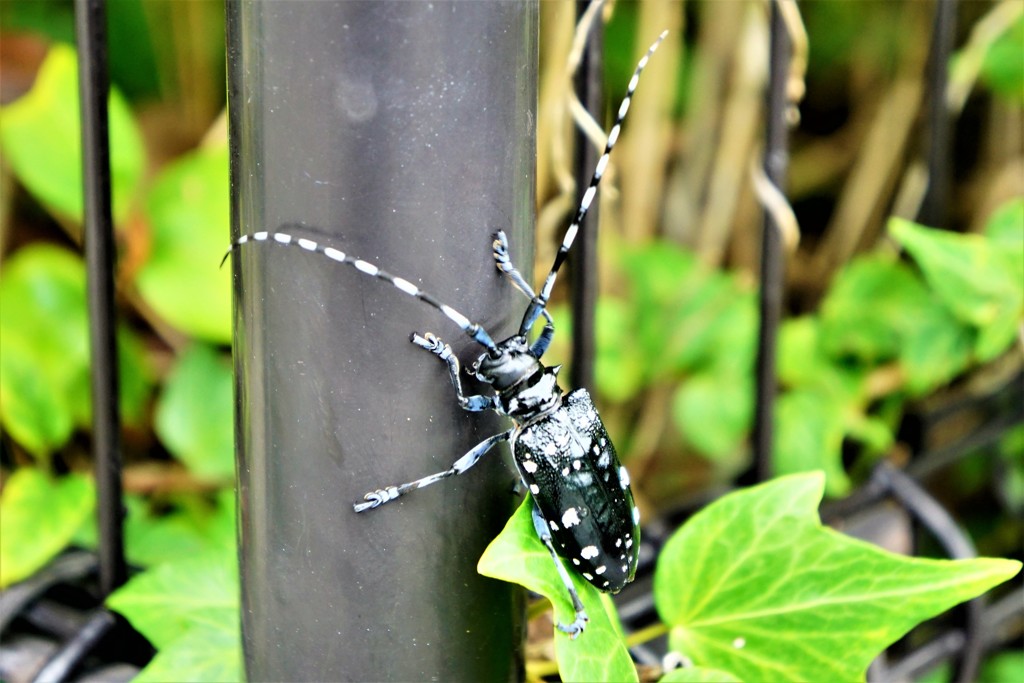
[{"x": 508, "y": 363}]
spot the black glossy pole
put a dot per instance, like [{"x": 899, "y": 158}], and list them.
[
  {"x": 93, "y": 88},
  {"x": 404, "y": 132},
  {"x": 776, "y": 160}
]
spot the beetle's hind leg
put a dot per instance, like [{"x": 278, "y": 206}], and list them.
[{"x": 577, "y": 626}]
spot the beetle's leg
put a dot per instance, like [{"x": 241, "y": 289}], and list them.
[
  {"x": 444, "y": 352},
  {"x": 577, "y": 626},
  {"x": 504, "y": 262},
  {"x": 386, "y": 495}
]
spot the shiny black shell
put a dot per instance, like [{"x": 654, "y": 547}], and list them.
[{"x": 569, "y": 464}]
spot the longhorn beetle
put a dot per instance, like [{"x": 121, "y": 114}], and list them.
[{"x": 583, "y": 508}]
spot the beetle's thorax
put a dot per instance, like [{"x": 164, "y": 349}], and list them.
[
  {"x": 536, "y": 396},
  {"x": 526, "y": 389}
]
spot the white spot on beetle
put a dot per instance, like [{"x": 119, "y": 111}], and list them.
[
  {"x": 554, "y": 527},
  {"x": 334, "y": 254},
  {"x": 623, "y": 477},
  {"x": 308, "y": 245},
  {"x": 575, "y": 562},
  {"x": 589, "y": 553},
  {"x": 625, "y": 569},
  {"x": 570, "y": 518},
  {"x": 629, "y": 544},
  {"x": 618, "y": 542},
  {"x": 260, "y": 236},
  {"x": 565, "y": 471},
  {"x": 588, "y": 577},
  {"x": 530, "y": 466},
  {"x": 282, "y": 237},
  {"x": 584, "y": 478},
  {"x": 601, "y": 570},
  {"x": 534, "y": 489},
  {"x": 576, "y": 464}
]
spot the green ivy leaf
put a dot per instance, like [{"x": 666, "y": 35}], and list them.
[
  {"x": 518, "y": 556},
  {"x": 713, "y": 411},
  {"x": 44, "y": 354},
  {"x": 972, "y": 277},
  {"x": 205, "y": 652},
  {"x": 756, "y": 586},
  {"x": 1003, "y": 69},
  {"x": 39, "y": 516},
  {"x": 194, "y": 414},
  {"x": 619, "y": 367},
  {"x": 1007, "y": 666},
  {"x": 903, "y": 320},
  {"x": 1005, "y": 231},
  {"x": 866, "y": 308},
  {"x": 809, "y": 428},
  {"x": 167, "y": 601},
  {"x": 188, "y": 212},
  {"x": 698, "y": 674},
  {"x": 687, "y": 317},
  {"x": 40, "y": 137},
  {"x": 191, "y": 529}
]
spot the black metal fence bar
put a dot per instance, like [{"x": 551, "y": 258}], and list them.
[
  {"x": 403, "y": 133},
  {"x": 583, "y": 261},
  {"x": 91, "y": 32},
  {"x": 935, "y": 206},
  {"x": 776, "y": 160}
]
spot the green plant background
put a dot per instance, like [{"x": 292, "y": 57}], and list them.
[{"x": 911, "y": 314}]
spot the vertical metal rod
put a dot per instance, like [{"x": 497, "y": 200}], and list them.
[
  {"x": 584, "y": 260},
  {"x": 935, "y": 206},
  {"x": 404, "y": 132},
  {"x": 93, "y": 85},
  {"x": 776, "y": 160}
]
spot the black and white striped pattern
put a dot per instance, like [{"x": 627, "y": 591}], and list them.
[
  {"x": 540, "y": 302},
  {"x": 280, "y": 237}
]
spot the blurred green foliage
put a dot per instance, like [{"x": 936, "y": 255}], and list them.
[
  {"x": 676, "y": 340},
  {"x": 41, "y": 140}
]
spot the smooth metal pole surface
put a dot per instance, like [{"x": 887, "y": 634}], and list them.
[{"x": 406, "y": 132}]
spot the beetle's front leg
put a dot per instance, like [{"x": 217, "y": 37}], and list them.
[
  {"x": 577, "y": 626},
  {"x": 387, "y": 494},
  {"x": 444, "y": 352},
  {"x": 504, "y": 262}
]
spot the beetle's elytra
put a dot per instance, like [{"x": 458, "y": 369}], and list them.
[{"x": 583, "y": 508}]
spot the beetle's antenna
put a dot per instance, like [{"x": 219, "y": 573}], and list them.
[
  {"x": 474, "y": 330},
  {"x": 538, "y": 304}
]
